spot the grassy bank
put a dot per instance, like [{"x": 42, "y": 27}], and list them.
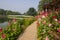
[{"x": 15, "y": 28}]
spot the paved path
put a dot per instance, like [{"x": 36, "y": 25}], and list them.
[{"x": 30, "y": 33}]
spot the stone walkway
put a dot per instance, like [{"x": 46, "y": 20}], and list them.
[{"x": 30, "y": 33}]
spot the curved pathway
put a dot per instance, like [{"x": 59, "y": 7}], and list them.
[{"x": 30, "y": 33}]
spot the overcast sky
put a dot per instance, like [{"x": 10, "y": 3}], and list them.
[{"x": 18, "y": 5}]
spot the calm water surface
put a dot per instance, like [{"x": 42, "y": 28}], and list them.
[{"x": 4, "y": 24}]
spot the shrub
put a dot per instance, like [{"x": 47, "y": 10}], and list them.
[
  {"x": 14, "y": 28},
  {"x": 49, "y": 28}
]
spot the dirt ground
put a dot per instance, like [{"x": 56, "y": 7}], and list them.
[{"x": 30, "y": 33}]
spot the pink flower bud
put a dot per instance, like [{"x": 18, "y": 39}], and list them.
[
  {"x": 14, "y": 19},
  {"x": 58, "y": 30},
  {"x": 9, "y": 23},
  {"x": 56, "y": 12},
  {"x": 46, "y": 14},
  {"x": 37, "y": 17},
  {"x": 43, "y": 16},
  {"x": 54, "y": 17},
  {"x": 37, "y": 23},
  {"x": 3, "y": 36},
  {"x": 0, "y": 29},
  {"x": 44, "y": 22},
  {"x": 46, "y": 38},
  {"x": 50, "y": 25},
  {"x": 58, "y": 21}
]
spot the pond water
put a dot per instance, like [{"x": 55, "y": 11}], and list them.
[{"x": 4, "y": 24}]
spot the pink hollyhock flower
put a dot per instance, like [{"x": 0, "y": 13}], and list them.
[
  {"x": 50, "y": 25},
  {"x": 14, "y": 19},
  {"x": 37, "y": 23},
  {"x": 54, "y": 17},
  {"x": 13, "y": 29},
  {"x": 0, "y": 29},
  {"x": 46, "y": 38},
  {"x": 9, "y": 23},
  {"x": 46, "y": 14},
  {"x": 58, "y": 30},
  {"x": 42, "y": 11},
  {"x": 58, "y": 21},
  {"x": 43, "y": 16},
  {"x": 15, "y": 22},
  {"x": 44, "y": 22},
  {"x": 37, "y": 17},
  {"x": 57, "y": 9},
  {"x": 56, "y": 12},
  {"x": 3, "y": 36}
]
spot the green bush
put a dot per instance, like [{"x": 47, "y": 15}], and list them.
[
  {"x": 14, "y": 29},
  {"x": 49, "y": 26}
]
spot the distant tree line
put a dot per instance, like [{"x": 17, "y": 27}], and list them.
[
  {"x": 4, "y": 13},
  {"x": 31, "y": 12},
  {"x": 8, "y": 12}
]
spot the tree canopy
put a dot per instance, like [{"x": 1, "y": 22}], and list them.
[
  {"x": 43, "y": 2},
  {"x": 8, "y": 12},
  {"x": 31, "y": 12}
]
